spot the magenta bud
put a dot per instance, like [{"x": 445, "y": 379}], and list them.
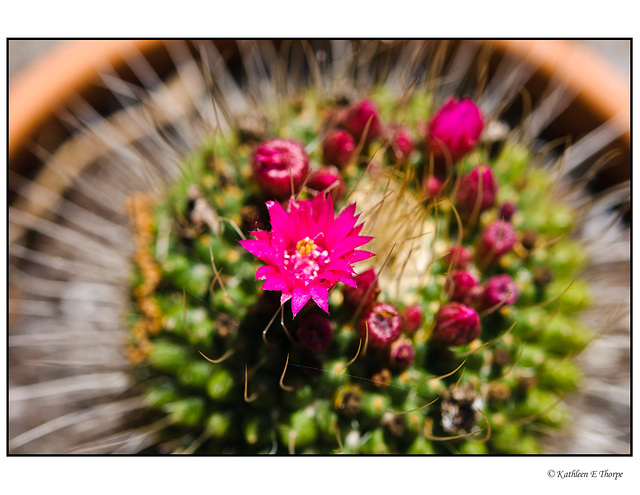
[
  {"x": 361, "y": 114},
  {"x": 276, "y": 163},
  {"x": 401, "y": 354},
  {"x": 474, "y": 297},
  {"x": 498, "y": 238},
  {"x": 365, "y": 294},
  {"x": 477, "y": 191},
  {"x": 458, "y": 284},
  {"x": 402, "y": 143},
  {"x": 507, "y": 210},
  {"x": 338, "y": 148},
  {"x": 459, "y": 257},
  {"x": 383, "y": 323},
  {"x": 500, "y": 289},
  {"x": 413, "y": 316},
  {"x": 455, "y": 129},
  {"x": 433, "y": 186},
  {"x": 327, "y": 178},
  {"x": 456, "y": 324},
  {"x": 315, "y": 333}
]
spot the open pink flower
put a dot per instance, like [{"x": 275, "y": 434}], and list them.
[{"x": 308, "y": 250}]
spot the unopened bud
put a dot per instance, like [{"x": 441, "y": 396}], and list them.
[
  {"x": 500, "y": 289},
  {"x": 365, "y": 294},
  {"x": 456, "y": 324},
  {"x": 338, "y": 147},
  {"x": 279, "y": 167},
  {"x": 402, "y": 143},
  {"x": 459, "y": 257},
  {"x": 383, "y": 324},
  {"x": 315, "y": 333},
  {"x": 362, "y": 114},
  {"x": 433, "y": 186},
  {"x": 401, "y": 354},
  {"x": 507, "y": 210},
  {"x": 455, "y": 129},
  {"x": 477, "y": 191},
  {"x": 497, "y": 239},
  {"x": 327, "y": 178},
  {"x": 459, "y": 283},
  {"x": 413, "y": 316}
]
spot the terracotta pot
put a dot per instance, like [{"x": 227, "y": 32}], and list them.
[{"x": 72, "y": 69}]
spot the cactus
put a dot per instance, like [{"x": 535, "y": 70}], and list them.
[{"x": 397, "y": 320}]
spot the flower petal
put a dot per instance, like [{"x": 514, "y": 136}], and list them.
[
  {"x": 299, "y": 299},
  {"x": 280, "y": 222},
  {"x": 273, "y": 283},
  {"x": 356, "y": 256},
  {"x": 321, "y": 297}
]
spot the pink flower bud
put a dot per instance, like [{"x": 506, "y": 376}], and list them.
[
  {"x": 455, "y": 129},
  {"x": 459, "y": 257},
  {"x": 413, "y": 316},
  {"x": 456, "y": 324},
  {"x": 275, "y": 163},
  {"x": 459, "y": 283},
  {"x": 477, "y": 191},
  {"x": 326, "y": 177},
  {"x": 365, "y": 294},
  {"x": 500, "y": 289},
  {"x": 402, "y": 143},
  {"x": 498, "y": 238},
  {"x": 474, "y": 297},
  {"x": 401, "y": 354},
  {"x": 360, "y": 114},
  {"x": 315, "y": 333},
  {"x": 383, "y": 323},
  {"x": 433, "y": 186},
  {"x": 507, "y": 210},
  {"x": 338, "y": 148}
]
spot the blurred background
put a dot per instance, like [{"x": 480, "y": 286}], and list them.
[{"x": 24, "y": 52}]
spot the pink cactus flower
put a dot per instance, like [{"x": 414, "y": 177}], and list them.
[
  {"x": 308, "y": 250},
  {"x": 455, "y": 129},
  {"x": 276, "y": 163}
]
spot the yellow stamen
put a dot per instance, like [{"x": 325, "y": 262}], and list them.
[{"x": 305, "y": 246}]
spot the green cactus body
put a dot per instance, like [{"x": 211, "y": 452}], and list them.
[{"x": 225, "y": 361}]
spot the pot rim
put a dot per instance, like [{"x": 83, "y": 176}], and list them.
[{"x": 34, "y": 95}]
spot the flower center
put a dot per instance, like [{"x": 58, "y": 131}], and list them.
[
  {"x": 305, "y": 246},
  {"x": 306, "y": 260}
]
